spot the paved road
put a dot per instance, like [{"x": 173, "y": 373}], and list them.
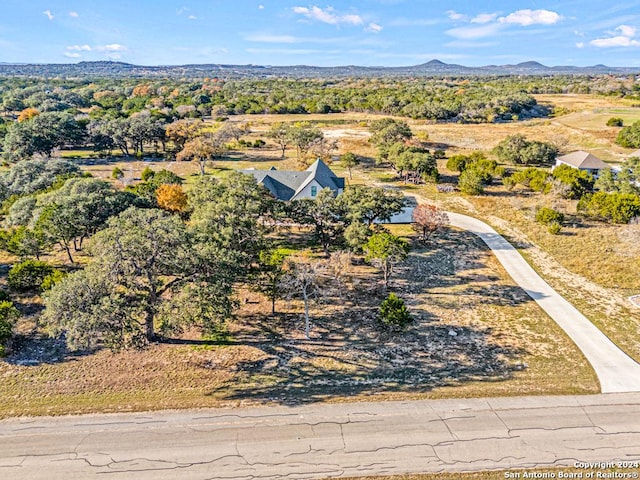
[
  {"x": 321, "y": 441},
  {"x": 616, "y": 371}
]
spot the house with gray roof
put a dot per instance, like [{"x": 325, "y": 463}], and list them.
[
  {"x": 294, "y": 185},
  {"x": 583, "y": 161}
]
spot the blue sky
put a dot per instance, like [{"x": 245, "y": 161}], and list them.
[{"x": 367, "y": 32}]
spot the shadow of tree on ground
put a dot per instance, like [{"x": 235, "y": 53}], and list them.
[{"x": 351, "y": 353}]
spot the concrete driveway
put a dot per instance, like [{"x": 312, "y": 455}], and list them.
[{"x": 616, "y": 371}]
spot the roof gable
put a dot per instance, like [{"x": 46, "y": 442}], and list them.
[
  {"x": 581, "y": 159},
  {"x": 285, "y": 185},
  {"x": 323, "y": 175}
]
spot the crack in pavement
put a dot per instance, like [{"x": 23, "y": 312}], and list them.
[
  {"x": 308, "y": 451},
  {"x": 381, "y": 440},
  {"x": 28, "y": 428},
  {"x": 106, "y": 424},
  {"x": 453, "y": 435},
  {"x": 330, "y": 422},
  {"x": 234, "y": 415},
  {"x": 16, "y": 464},
  {"x": 597, "y": 427},
  {"x": 554, "y": 429}
]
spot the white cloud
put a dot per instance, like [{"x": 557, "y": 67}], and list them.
[
  {"x": 622, "y": 36},
  {"x": 48, "y": 14},
  {"x": 468, "y": 33},
  {"x": 374, "y": 27},
  {"x": 260, "y": 7},
  {"x": 113, "y": 47},
  {"x": 580, "y": 44},
  {"x": 618, "y": 41},
  {"x": 484, "y": 18},
  {"x": 192, "y": 17},
  {"x": 112, "y": 50},
  {"x": 531, "y": 17},
  {"x": 453, "y": 15},
  {"x": 328, "y": 15},
  {"x": 79, "y": 48},
  {"x": 626, "y": 31},
  {"x": 74, "y": 14}
]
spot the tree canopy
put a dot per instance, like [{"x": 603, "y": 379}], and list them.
[
  {"x": 518, "y": 150},
  {"x": 148, "y": 271},
  {"x": 629, "y": 137}
]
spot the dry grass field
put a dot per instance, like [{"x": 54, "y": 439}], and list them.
[{"x": 591, "y": 264}]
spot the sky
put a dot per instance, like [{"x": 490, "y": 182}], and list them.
[{"x": 366, "y": 32}]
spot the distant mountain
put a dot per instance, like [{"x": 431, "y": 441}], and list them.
[{"x": 431, "y": 68}]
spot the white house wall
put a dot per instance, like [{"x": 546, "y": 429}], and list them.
[
  {"x": 306, "y": 191},
  {"x": 405, "y": 216}
]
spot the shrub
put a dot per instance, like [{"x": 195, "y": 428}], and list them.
[
  {"x": 618, "y": 208},
  {"x": 615, "y": 122},
  {"x": 629, "y": 137},
  {"x": 4, "y": 296},
  {"x": 147, "y": 174},
  {"x": 28, "y": 275},
  {"x": 470, "y": 182},
  {"x": 487, "y": 169},
  {"x": 9, "y": 315},
  {"x": 394, "y": 313},
  {"x": 548, "y": 216},
  {"x": 534, "y": 178},
  {"x": 52, "y": 280},
  {"x": 457, "y": 163},
  {"x": 578, "y": 181},
  {"x": 117, "y": 173},
  {"x": 554, "y": 228}
]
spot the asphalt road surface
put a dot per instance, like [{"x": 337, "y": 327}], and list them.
[
  {"x": 321, "y": 441},
  {"x": 616, "y": 371}
]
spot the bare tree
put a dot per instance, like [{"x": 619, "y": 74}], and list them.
[
  {"x": 324, "y": 148},
  {"x": 340, "y": 269},
  {"x": 230, "y": 130},
  {"x": 279, "y": 132},
  {"x": 302, "y": 280},
  {"x": 428, "y": 219}
]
